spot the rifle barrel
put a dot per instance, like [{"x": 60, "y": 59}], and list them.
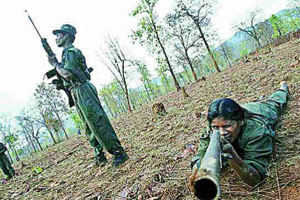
[
  {"x": 207, "y": 184},
  {"x": 33, "y": 24}
]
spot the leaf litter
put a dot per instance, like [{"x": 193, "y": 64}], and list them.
[{"x": 160, "y": 152}]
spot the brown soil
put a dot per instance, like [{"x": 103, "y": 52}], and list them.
[{"x": 160, "y": 152}]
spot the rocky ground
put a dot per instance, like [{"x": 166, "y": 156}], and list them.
[{"x": 160, "y": 151}]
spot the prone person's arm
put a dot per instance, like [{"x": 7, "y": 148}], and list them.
[
  {"x": 203, "y": 144},
  {"x": 246, "y": 172},
  {"x": 252, "y": 166}
]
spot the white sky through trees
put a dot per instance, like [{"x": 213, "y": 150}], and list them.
[{"x": 24, "y": 62}]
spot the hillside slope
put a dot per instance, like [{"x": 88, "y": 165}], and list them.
[{"x": 160, "y": 152}]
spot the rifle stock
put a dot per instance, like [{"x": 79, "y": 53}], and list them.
[{"x": 205, "y": 182}]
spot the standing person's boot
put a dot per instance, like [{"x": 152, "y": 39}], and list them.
[
  {"x": 119, "y": 158},
  {"x": 100, "y": 159}
]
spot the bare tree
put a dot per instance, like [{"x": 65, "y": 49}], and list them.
[
  {"x": 119, "y": 62},
  {"x": 50, "y": 101},
  {"x": 149, "y": 32},
  {"x": 30, "y": 128},
  {"x": 186, "y": 37},
  {"x": 199, "y": 12},
  {"x": 251, "y": 28},
  {"x": 227, "y": 53}
]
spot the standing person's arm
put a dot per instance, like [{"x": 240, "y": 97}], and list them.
[{"x": 65, "y": 67}]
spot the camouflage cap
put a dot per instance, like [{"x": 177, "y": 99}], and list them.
[{"x": 66, "y": 28}]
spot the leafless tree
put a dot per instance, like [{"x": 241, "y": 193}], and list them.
[
  {"x": 199, "y": 11},
  {"x": 251, "y": 28}
]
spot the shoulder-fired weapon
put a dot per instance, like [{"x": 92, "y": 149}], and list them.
[{"x": 205, "y": 184}]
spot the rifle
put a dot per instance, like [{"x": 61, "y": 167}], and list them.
[
  {"x": 205, "y": 183},
  {"x": 58, "y": 82}
]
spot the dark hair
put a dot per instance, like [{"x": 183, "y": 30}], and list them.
[{"x": 225, "y": 107}]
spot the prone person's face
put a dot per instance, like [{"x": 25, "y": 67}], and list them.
[{"x": 230, "y": 129}]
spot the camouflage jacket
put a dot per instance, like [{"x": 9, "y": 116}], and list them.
[
  {"x": 73, "y": 66},
  {"x": 254, "y": 144}
]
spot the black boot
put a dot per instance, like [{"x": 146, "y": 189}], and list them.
[
  {"x": 100, "y": 159},
  {"x": 119, "y": 158}
]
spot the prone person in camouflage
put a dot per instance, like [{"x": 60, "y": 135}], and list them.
[
  {"x": 5, "y": 165},
  {"x": 74, "y": 70},
  {"x": 247, "y": 132}
]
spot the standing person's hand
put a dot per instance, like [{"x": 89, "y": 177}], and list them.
[{"x": 53, "y": 61}]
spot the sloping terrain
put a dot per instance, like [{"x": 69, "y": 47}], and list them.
[{"x": 160, "y": 152}]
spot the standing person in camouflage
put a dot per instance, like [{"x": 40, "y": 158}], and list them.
[
  {"x": 247, "y": 132},
  {"x": 76, "y": 76},
  {"x": 5, "y": 165}
]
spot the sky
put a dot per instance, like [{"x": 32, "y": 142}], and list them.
[{"x": 24, "y": 62}]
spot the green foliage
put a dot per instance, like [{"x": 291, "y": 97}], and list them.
[
  {"x": 162, "y": 73},
  {"x": 292, "y": 20},
  {"x": 11, "y": 139},
  {"x": 77, "y": 121},
  {"x": 37, "y": 170},
  {"x": 113, "y": 98},
  {"x": 244, "y": 50},
  {"x": 278, "y": 26}
]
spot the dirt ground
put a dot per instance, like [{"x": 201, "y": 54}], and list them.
[{"x": 160, "y": 151}]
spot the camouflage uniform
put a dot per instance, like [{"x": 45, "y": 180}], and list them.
[
  {"x": 97, "y": 126},
  {"x": 254, "y": 144},
  {"x": 5, "y": 165}
]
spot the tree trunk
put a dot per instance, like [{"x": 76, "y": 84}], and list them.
[
  {"x": 127, "y": 100},
  {"x": 109, "y": 109},
  {"x": 182, "y": 78},
  {"x": 225, "y": 54},
  {"x": 121, "y": 103},
  {"x": 58, "y": 117},
  {"x": 62, "y": 126},
  {"x": 52, "y": 136},
  {"x": 166, "y": 80},
  {"x": 190, "y": 64},
  {"x": 14, "y": 151},
  {"x": 165, "y": 54},
  {"x": 32, "y": 144},
  {"x": 57, "y": 136},
  {"x": 9, "y": 156},
  {"x": 48, "y": 129},
  {"x": 115, "y": 109},
  {"x": 187, "y": 74},
  {"x": 149, "y": 97},
  {"x": 38, "y": 142},
  {"x": 151, "y": 90},
  {"x": 208, "y": 49},
  {"x": 256, "y": 37},
  {"x": 28, "y": 143}
]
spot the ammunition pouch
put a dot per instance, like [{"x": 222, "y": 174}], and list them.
[{"x": 81, "y": 76}]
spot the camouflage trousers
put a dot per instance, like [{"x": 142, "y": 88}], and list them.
[
  {"x": 6, "y": 166},
  {"x": 276, "y": 102},
  {"x": 96, "y": 123}
]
